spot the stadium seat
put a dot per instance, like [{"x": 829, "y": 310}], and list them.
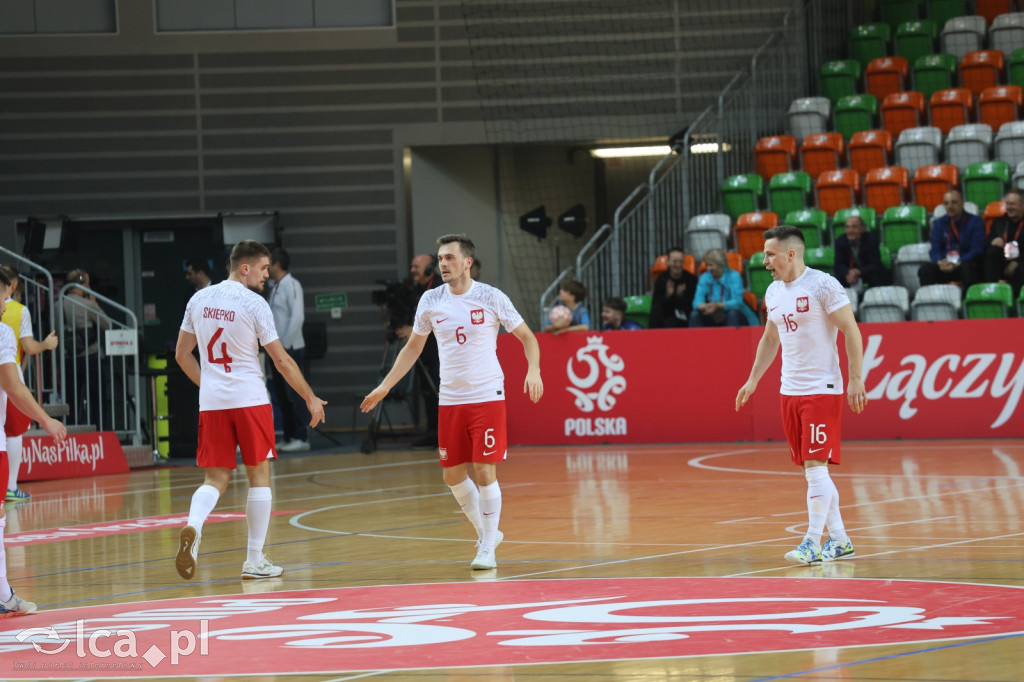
[
  {"x": 941, "y": 11},
  {"x": 967, "y": 144},
  {"x": 949, "y": 108},
  {"x": 994, "y": 210},
  {"x": 812, "y": 222},
  {"x": 758, "y": 275},
  {"x": 914, "y": 39},
  {"x": 775, "y": 154},
  {"x": 1015, "y": 68},
  {"x": 1009, "y": 146},
  {"x": 932, "y": 182},
  {"x": 822, "y": 258},
  {"x": 638, "y": 309},
  {"x": 865, "y": 213},
  {"x": 733, "y": 260},
  {"x": 902, "y": 110},
  {"x": 808, "y": 115},
  {"x": 886, "y": 75},
  {"x": 789, "y": 192},
  {"x": 885, "y": 187},
  {"x": 961, "y": 35},
  {"x": 934, "y": 72},
  {"x": 981, "y": 69},
  {"x": 855, "y": 113},
  {"x": 821, "y": 152},
  {"x": 870, "y": 149},
  {"x": 741, "y": 194},
  {"x": 839, "y": 78},
  {"x": 986, "y": 182},
  {"x": 749, "y": 228},
  {"x": 988, "y": 300},
  {"x": 902, "y": 225},
  {"x": 707, "y": 231},
  {"x": 896, "y": 12},
  {"x": 999, "y": 105},
  {"x": 1018, "y": 176},
  {"x": 934, "y": 302},
  {"x": 1020, "y": 304},
  {"x": 836, "y": 189},
  {"x": 885, "y": 304},
  {"x": 909, "y": 260},
  {"x": 1006, "y": 33},
  {"x": 868, "y": 42},
  {"x": 918, "y": 147},
  {"x": 990, "y": 9}
]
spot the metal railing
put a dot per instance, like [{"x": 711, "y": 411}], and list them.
[
  {"x": 101, "y": 389},
  {"x": 719, "y": 143}
]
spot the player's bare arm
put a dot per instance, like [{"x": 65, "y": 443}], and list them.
[
  {"x": 19, "y": 394},
  {"x": 403, "y": 363},
  {"x": 183, "y": 355},
  {"x": 533, "y": 384},
  {"x": 287, "y": 368},
  {"x": 32, "y": 347},
  {"x": 767, "y": 348},
  {"x": 856, "y": 394}
]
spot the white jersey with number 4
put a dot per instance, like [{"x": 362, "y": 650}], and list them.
[
  {"x": 466, "y": 328},
  {"x": 800, "y": 310},
  {"x": 230, "y": 322}
]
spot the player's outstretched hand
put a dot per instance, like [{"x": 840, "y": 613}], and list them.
[
  {"x": 372, "y": 398},
  {"x": 56, "y": 430},
  {"x": 316, "y": 411},
  {"x": 744, "y": 394},
  {"x": 533, "y": 385}
]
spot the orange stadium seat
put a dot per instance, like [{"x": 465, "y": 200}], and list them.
[
  {"x": 902, "y": 110},
  {"x": 870, "y": 149},
  {"x": 932, "y": 182},
  {"x": 993, "y": 211},
  {"x": 885, "y": 187},
  {"x": 837, "y": 189},
  {"x": 775, "y": 154},
  {"x": 950, "y": 108},
  {"x": 980, "y": 70},
  {"x": 748, "y": 229},
  {"x": 821, "y": 152},
  {"x": 990, "y": 9},
  {"x": 1000, "y": 105},
  {"x": 886, "y": 75}
]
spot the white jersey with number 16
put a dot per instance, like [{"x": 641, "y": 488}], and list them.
[{"x": 230, "y": 322}]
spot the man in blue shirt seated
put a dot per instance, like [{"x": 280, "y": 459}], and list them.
[
  {"x": 613, "y": 315},
  {"x": 958, "y": 245},
  {"x": 718, "y": 301}
]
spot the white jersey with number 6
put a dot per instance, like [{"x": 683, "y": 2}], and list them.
[
  {"x": 466, "y": 328},
  {"x": 230, "y": 322},
  {"x": 800, "y": 310}
]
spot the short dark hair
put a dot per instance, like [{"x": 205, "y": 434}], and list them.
[
  {"x": 281, "y": 257},
  {"x": 466, "y": 244},
  {"x": 675, "y": 248},
  {"x": 784, "y": 232},
  {"x": 247, "y": 251},
  {"x": 615, "y": 303},
  {"x": 10, "y": 273},
  {"x": 199, "y": 265},
  {"x": 4, "y": 278},
  {"x": 575, "y": 288}
]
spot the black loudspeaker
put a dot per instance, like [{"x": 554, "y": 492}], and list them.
[
  {"x": 574, "y": 221},
  {"x": 183, "y": 415},
  {"x": 536, "y": 222}
]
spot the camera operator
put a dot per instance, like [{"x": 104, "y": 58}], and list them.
[
  {"x": 1003, "y": 261},
  {"x": 424, "y": 275}
]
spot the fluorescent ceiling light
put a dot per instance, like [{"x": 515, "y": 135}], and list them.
[
  {"x": 708, "y": 147},
  {"x": 619, "y": 152}
]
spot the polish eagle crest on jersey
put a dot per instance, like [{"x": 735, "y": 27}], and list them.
[
  {"x": 476, "y": 316},
  {"x": 802, "y": 304}
]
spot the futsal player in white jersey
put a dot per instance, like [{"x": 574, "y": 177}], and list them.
[
  {"x": 806, "y": 308},
  {"x": 229, "y": 321},
  {"x": 464, "y": 316},
  {"x": 13, "y": 388}
]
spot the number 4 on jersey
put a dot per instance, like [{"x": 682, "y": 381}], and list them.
[{"x": 224, "y": 358}]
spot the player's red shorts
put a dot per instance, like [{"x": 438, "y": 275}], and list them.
[
  {"x": 5, "y": 472},
  {"x": 249, "y": 428},
  {"x": 472, "y": 433},
  {"x": 813, "y": 424},
  {"x": 17, "y": 422}
]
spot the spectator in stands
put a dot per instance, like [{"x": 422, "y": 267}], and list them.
[
  {"x": 84, "y": 323},
  {"x": 197, "y": 272},
  {"x": 571, "y": 294},
  {"x": 613, "y": 315},
  {"x": 958, "y": 245},
  {"x": 718, "y": 300},
  {"x": 1003, "y": 262},
  {"x": 672, "y": 296},
  {"x": 858, "y": 260}
]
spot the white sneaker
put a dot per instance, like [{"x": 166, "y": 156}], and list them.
[
  {"x": 484, "y": 560},
  {"x": 188, "y": 552},
  {"x": 16, "y": 606},
  {"x": 295, "y": 445},
  {"x": 264, "y": 569}
]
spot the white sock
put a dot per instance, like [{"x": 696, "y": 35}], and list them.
[
  {"x": 204, "y": 499},
  {"x": 5, "y": 587},
  {"x": 13, "y": 460},
  {"x": 257, "y": 513},
  {"x": 468, "y": 497},
  {"x": 834, "y": 520},
  {"x": 490, "y": 513},
  {"x": 819, "y": 499}
]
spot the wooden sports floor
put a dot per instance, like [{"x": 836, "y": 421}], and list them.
[{"x": 949, "y": 512}]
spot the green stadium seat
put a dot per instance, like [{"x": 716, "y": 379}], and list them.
[
  {"x": 757, "y": 275},
  {"x": 1020, "y": 303},
  {"x": 903, "y": 225},
  {"x": 789, "y": 192},
  {"x": 988, "y": 300},
  {"x": 812, "y": 222},
  {"x": 866, "y": 213},
  {"x": 869, "y": 41},
  {"x": 941, "y": 11},
  {"x": 1015, "y": 68},
  {"x": 855, "y": 113},
  {"x": 886, "y": 256},
  {"x": 896, "y": 12},
  {"x": 839, "y": 78},
  {"x": 822, "y": 258},
  {"x": 915, "y": 39},
  {"x": 934, "y": 72},
  {"x": 638, "y": 309},
  {"x": 742, "y": 194},
  {"x": 986, "y": 182}
]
